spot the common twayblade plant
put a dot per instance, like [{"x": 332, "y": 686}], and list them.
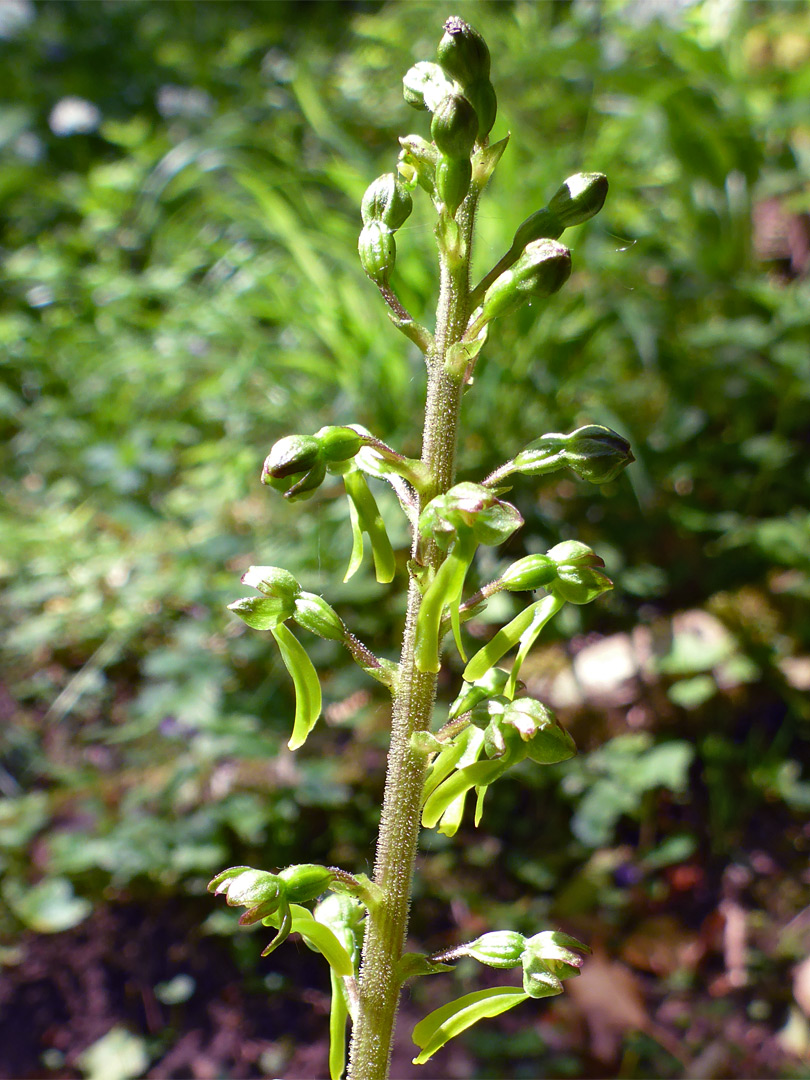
[{"x": 358, "y": 924}]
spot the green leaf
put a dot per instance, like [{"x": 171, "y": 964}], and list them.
[
  {"x": 305, "y": 680},
  {"x": 450, "y": 1020}
]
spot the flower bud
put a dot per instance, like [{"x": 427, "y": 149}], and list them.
[
  {"x": 469, "y": 507},
  {"x": 555, "y": 949},
  {"x": 547, "y": 742},
  {"x": 531, "y": 572},
  {"x": 290, "y": 455},
  {"x": 453, "y": 182},
  {"x": 454, "y": 127},
  {"x": 338, "y": 443},
  {"x": 305, "y": 881},
  {"x": 481, "y": 96},
  {"x": 378, "y": 252},
  {"x": 577, "y": 581},
  {"x": 257, "y": 890},
  {"x": 498, "y": 949},
  {"x": 539, "y": 980},
  {"x": 574, "y": 553},
  {"x": 579, "y": 198},
  {"x": 425, "y": 85},
  {"x": 262, "y": 612},
  {"x": 462, "y": 52},
  {"x": 541, "y": 270},
  {"x": 386, "y": 201},
  {"x": 597, "y": 454},
  {"x": 314, "y": 614}
]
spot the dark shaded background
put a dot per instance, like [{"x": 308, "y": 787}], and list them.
[{"x": 179, "y": 198}]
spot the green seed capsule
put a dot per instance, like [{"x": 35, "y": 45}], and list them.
[
  {"x": 462, "y": 52},
  {"x": 314, "y": 614},
  {"x": 454, "y": 127},
  {"x": 306, "y": 881},
  {"x": 386, "y": 200},
  {"x": 453, "y": 182},
  {"x": 498, "y": 949},
  {"x": 338, "y": 443},
  {"x": 579, "y": 198},
  {"x": 378, "y": 252},
  {"x": 532, "y": 572}
]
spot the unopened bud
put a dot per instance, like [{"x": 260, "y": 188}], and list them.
[
  {"x": 481, "y": 96},
  {"x": 387, "y": 201},
  {"x": 453, "y": 182},
  {"x": 378, "y": 252},
  {"x": 579, "y": 198},
  {"x": 462, "y": 52},
  {"x": 257, "y": 890},
  {"x": 290, "y": 455},
  {"x": 454, "y": 127},
  {"x": 597, "y": 454},
  {"x": 578, "y": 580},
  {"x": 541, "y": 270},
  {"x": 531, "y": 572},
  {"x": 314, "y": 614}
]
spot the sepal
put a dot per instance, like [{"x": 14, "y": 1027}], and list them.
[{"x": 426, "y": 85}]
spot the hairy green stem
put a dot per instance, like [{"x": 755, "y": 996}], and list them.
[{"x": 380, "y": 983}]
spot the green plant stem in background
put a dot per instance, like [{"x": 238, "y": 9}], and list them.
[{"x": 380, "y": 982}]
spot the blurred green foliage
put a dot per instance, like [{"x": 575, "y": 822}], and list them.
[{"x": 180, "y": 287}]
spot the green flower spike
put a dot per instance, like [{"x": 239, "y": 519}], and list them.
[
  {"x": 464, "y": 56},
  {"x": 466, "y": 516}
]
